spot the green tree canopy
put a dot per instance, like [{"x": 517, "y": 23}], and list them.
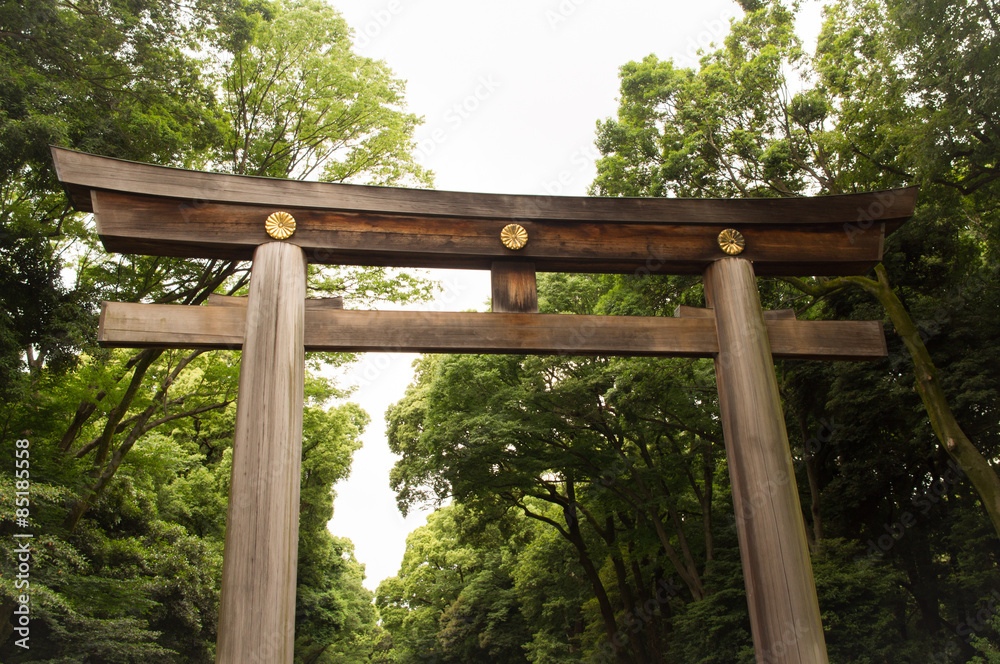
[
  {"x": 130, "y": 450},
  {"x": 895, "y": 460}
]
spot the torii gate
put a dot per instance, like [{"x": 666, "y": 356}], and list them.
[{"x": 282, "y": 225}]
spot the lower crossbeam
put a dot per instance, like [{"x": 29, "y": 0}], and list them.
[{"x": 128, "y": 325}]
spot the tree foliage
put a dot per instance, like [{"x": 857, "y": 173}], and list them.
[
  {"x": 618, "y": 464},
  {"x": 131, "y": 451},
  {"x": 587, "y": 512}
]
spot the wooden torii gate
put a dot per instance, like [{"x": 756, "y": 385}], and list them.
[{"x": 283, "y": 225}]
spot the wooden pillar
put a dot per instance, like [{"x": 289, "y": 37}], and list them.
[
  {"x": 781, "y": 592},
  {"x": 257, "y": 611}
]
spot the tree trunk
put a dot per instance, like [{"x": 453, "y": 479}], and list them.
[
  {"x": 692, "y": 581},
  {"x": 648, "y": 611},
  {"x": 607, "y": 612},
  {"x": 83, "y": 503},
  {"x": 957, "y": 445},
  {"x": 949, "y": 432},
  {"x": 708, "y": 471},
  {"x": 687, "y": 570},
  {"x": 812, "y": 474}
]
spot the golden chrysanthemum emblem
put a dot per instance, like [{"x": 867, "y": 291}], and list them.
[
  {"x": 731, "y": 241},
  {"x": 514, "y": 236},
  {"x": 280, "y": 225}
]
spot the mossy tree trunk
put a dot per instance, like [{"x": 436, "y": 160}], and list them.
[{"x": 947, "y": 429}]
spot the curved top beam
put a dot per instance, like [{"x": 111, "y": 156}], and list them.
[
  {"x": 81, "y": 172},
  {"x": 142, "y": 208}
]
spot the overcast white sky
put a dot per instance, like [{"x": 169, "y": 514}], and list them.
[{"x": 510, "y": 91}]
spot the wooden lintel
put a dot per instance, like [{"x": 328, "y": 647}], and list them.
[
  {"x": 145, "y": 209},
  {"x": 131, "y": 325},
  {"x": 177, "y": 326},
  {"x": 311, "y": 302},
  {"x": 139, "y": 224}
]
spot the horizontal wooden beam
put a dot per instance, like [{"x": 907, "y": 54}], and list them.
[
  {"x": 81, "y": 173},
  {"x": 684, "y": 311},
  {"x": 176, "y": 326},
  {"x": 139, "y": 224},
  {"x": 148, "y": 209},
  {"x": 242, "y": 301}
]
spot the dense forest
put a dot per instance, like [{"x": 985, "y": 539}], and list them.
[{"x": 584, "y": 511}]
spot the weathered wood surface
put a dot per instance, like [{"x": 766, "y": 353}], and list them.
[
  {"x": 176, "y": 326},
  {"x": 514, "y": 287},
  {"x": 684, "y": 311},
  {"x": 172, "y": 212},
  {"x": 257, "y": 607},
  {"x": 830, "y": 340},
  {"x": 130, "y": 223},
  {"x": 80, "y": 173},
  {"x": 136, "y": 325},
  {"x": 215, "y": 299},
  {"x": 781, "y": 593}
]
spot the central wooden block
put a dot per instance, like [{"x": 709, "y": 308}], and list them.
[{"x": 514, "y": 287}]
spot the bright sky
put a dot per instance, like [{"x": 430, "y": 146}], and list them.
[{"x": 510, "y": 92}]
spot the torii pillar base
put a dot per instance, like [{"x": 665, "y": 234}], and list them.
[
  {"x": 257, "y": 610},
  {"x": 781, "y": 592}
]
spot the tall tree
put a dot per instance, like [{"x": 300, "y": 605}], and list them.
[
  {"x": 111, "y": 79},
  {"x": 453, "y": 599},
  {"x": 276, "y": 61},
  {"x": 300, "y": 103},
  {"x": 161, "y": 82},
  {"x": 872, "y": 112},
  {"x": 900, "y": 536},
  {"x": 620, "y": 458}
]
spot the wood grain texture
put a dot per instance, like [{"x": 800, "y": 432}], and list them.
[
  {"x": 135, "y": 325},
  {"x": 139, "y": 224},
  {"x": 826, "y": 340},
  {"x": 337, "y": 302},
  {"x": 781, "y": 593},
  {"x": 80, "y": 173},
  {"x": 176, "y": 326},
  {"x": 171, "y": 212},
  {"x": 257, "y": 607},
  {"x": 514, "y": 287},
  {"x": 685, "y": 311}
]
